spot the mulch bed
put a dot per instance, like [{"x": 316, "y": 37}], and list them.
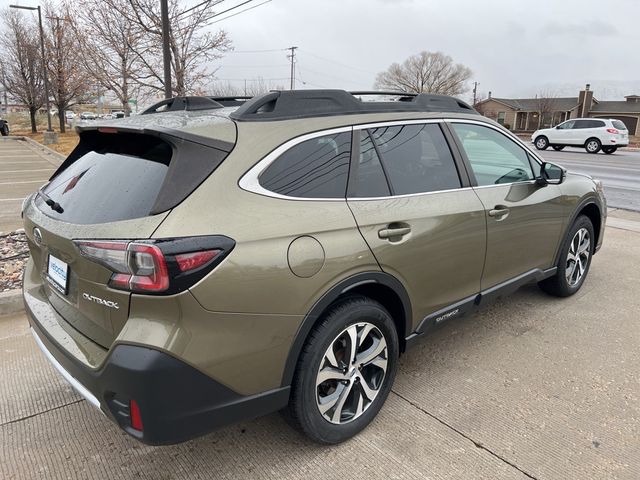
[{"x": 13, "y": 255}]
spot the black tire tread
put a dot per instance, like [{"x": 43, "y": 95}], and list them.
[{"x": 317, "y": 336}]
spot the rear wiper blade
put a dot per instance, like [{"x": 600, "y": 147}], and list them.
[{"x": 47, "y": 199}]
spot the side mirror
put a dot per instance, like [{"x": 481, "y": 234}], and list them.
[
  {"x": 558, "y": 127},
  {"x": 551, "y": 174}
]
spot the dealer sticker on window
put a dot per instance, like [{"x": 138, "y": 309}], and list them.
[{"x": 58, "y": 274}]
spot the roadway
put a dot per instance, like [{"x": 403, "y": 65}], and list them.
[{"x": 619, "y": 172}]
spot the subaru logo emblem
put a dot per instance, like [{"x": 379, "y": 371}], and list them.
[{"x": 37, "y": 236}]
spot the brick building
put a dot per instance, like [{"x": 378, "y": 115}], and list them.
[{"x": 529, "y": 114}]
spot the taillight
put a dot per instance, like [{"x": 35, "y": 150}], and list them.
[
  {"x": 613, "y": 130},
  {"x": 159, "y": 266}
]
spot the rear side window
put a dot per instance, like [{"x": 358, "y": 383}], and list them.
[
  {"x": 618, "y": 124},
  {"x": 115, "y": 180},
  {"x": 596, "y": 123},
  {"x": 416, "y": 158},
  {"x": 368, "y": 178},
  {"x": 316, "y": 168}
]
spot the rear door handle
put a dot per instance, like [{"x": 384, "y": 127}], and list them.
[
  {"x": 499, "y": 211},
  {"x": 386, "y": 233}
]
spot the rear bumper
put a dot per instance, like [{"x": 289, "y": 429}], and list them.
[{"x": 177, "y": 402}]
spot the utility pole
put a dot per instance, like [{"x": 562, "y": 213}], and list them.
[
  {"x": 475, "y": 89},
  {"x": 166, "y": 52},
  {"x": 293, "y": 71},
  {"x": 44, "y": 65}
]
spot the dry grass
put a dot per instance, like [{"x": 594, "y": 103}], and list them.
[{"x": 66, "y": 141}]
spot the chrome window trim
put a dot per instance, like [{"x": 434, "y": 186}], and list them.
[
  {"x": 249, "y": 181},
  {"x": 78, "y": 387}
]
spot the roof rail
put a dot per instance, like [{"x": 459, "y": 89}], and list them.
[
  {"x": 290, "y": 104},
  {"x": 182, "y": 103},
  {"x": 231, "y": 101}
]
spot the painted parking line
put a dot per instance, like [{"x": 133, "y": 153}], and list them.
[
  {"x": 12, "y": 199},
  {"x": 25, "y": 181},
  {"x": 22, "y": 163},
  {"x": 28, "y": 170}
]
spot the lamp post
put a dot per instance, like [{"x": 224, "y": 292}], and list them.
[{"x": 44, "y": 65}]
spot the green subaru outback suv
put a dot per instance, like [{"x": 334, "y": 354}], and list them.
[{"x": 207, "y": 263}]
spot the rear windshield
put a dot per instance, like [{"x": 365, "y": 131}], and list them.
[
  {"x": 619, "y": 125},
  {"x": 117, "y": 178}
]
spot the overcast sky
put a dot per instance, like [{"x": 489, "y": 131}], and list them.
[{"x": 514, "y": 47}]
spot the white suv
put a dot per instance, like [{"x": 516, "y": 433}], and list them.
[{"x": 593, "y": 134}]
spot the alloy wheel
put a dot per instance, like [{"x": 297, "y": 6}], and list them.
[
  {"x": 578, "y": 257},
  {"x": 351, "y": 373},
  {"x": 593, "y": 146}
]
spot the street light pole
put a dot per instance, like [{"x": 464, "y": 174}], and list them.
[{"x": 44, "y": 65}]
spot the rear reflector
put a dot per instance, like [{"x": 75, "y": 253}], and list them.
[
  {"x": 191, "y": 261},
  {"x": 136, "y": 418}
]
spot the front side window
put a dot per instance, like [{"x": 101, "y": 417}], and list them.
[
  {"x": 566, "y": 125},
  {"x": 416, "y": 158},
  {"x": 316, "y": 168},
  {"x": 494, "y": 158}
]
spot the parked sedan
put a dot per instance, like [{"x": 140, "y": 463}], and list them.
[
  {"x": 594, "y": 134},
  {"x": 88, "y": 116}
]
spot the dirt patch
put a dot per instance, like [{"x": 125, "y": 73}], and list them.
[{"x": 13, "y": 255}]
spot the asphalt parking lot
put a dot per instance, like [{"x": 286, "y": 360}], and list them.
[
  {"x": 23, "y": 169},
  {"x": 619, "y": 172},
  {"x": 529, "y": 387}
]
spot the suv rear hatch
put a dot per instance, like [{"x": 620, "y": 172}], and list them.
[{"x": 116, "y": 185}]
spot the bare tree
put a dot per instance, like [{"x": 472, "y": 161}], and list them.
[
  {"x": 108, "y": 40},
  {"x": 67, "y": 78},
  {"x": 546, "y": 105},
  {"x": 20, "y": 63},
  {"x": 191, "y": 49},
  {"x": 426, "y": 72},
  {"x": 252, "y": 87}
]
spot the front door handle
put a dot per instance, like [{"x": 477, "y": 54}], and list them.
[
  {"x": 500, "y": 212},
  {"x": 392, "y": 231}
]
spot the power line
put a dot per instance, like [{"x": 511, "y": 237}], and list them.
[
  {"x": 337, "y": 63},
  {"x": 245, "y": 10},
  {"x": 198, "y": 6},
  {"x": 257, "y": 51}
]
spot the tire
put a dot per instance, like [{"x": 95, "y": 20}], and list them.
[
  {"x": 542, "y": 142},
  {"x": 571, "y": 273},
  {"x": 4, "y": 131},
  {"x": 609, "y": 150},
  {"x": 309, "y": 393},
  {"x": 592, "y": 145},
  {"x": 557, "y": 148}
]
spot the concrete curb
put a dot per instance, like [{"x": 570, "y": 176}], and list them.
[
  {"x": 11, "y": 302},
  {"x": 51, "y": 156}
]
